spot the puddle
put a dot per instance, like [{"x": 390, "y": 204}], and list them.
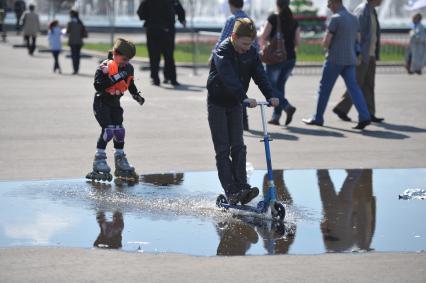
[{"x": 327, "y": 211}]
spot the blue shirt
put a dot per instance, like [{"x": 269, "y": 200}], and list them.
[
  {"x": 54, "y": 37},
  {"x": 344, "y": 27},
  {"x": 229, "y": 27}
]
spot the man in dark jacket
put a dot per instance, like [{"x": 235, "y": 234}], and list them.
[
  {"x": 19, "y": 8},
  {"x": 159, "y": 17},
  {"x": 235, "y": 62}
]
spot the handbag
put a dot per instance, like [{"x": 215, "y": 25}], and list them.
[{"x": 274, "y": 51}]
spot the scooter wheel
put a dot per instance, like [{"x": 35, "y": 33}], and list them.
[
  {"x": 280, "y": 211},
  {"x": 221, "y": 200},
  {"x": 261, "y": 206}
]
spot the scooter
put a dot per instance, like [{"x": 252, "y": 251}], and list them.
[{"x": 269, "y": 202}]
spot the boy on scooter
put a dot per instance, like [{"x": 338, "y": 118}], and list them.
[{"x": 235, "y": 62}]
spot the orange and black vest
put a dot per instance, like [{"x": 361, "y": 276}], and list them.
[{"x": 122, "y": 85}]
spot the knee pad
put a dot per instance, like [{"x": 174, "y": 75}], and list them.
[
  {"x": 108, "y": 133},
  {"x": 119, "y": 134}
]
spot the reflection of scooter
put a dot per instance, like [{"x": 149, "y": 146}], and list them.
[
  {"x": 238, "y": 234},
  {"x": 269, "y": 201}
]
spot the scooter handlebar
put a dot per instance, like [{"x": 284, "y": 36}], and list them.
[{"x": 267, "y": 103}]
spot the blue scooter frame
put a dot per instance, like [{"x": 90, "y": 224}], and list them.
[{"x": 270, "y": 198}]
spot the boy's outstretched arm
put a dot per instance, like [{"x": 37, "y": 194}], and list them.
[{"x": 135, "y": 93}]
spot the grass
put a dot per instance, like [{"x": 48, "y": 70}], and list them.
[{"x": 309, "y": 51}]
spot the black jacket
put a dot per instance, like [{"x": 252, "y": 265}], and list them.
[
  {"x": 103, "y": 81},
  {"x": 161, "y": 13},
  {"x": 230, "y": 75}
]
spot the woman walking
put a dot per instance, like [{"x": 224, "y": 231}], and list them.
[
  {"x": 76, "y": 31},
  {"x": 279, "y": 73},
  {"x": 416, "y": 58}
]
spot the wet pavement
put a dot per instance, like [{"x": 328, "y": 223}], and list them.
[{"x": 327, "y": 211}]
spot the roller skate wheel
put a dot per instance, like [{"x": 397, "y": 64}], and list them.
[
  {"x": 279, "y": 213},
  {"x": 220, "y": 201},
  {"x": 261, "y": 206}
]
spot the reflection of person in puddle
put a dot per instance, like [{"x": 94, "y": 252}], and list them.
[
  {"x": 273, "y": 240},
  {"x": 280, "y": 186},
  {"x": 110, "y": 234},
  {"x": 236, "y": 237},
  {"x": 349, "y": 217},
  {"x": 163, "y": 179}
]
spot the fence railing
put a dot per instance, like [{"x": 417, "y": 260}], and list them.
[{"x": 310, "y": 54}]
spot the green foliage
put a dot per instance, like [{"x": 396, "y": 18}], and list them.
[{"x": 308, "y": 51}]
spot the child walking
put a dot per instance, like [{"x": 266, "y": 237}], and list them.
[
  {"x": 55, "y": 43},
  {"x": 112, "y": 78},
  {"x": 235, "y": 62}
]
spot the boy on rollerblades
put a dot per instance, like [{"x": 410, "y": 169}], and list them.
[{"x": 112, "y": 78}]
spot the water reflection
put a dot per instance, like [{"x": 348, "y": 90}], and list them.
[
  {"x": 331, "y": 211},
  {"x": 167, "y": 179},
  {"x": 236, "y": 237},
  {"x": 240, "y": 233},
  {"x": 350, "y": 215},
  {"x": 110, "y": 231},
  {"x": 280, "y": 186}
]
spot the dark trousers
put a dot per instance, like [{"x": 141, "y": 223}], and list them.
[
  {"x": 365, "y": 77},
  {"x": 55, "y": 54},
  {"x": 30, "y": 40},
  {"x": 161, "y": 42},
  {"x": 226, "y": 126},
  {"x": 75, "y": 56},
  {"x": 107, "y": 116},
  {"x": 18, "y": 24}
]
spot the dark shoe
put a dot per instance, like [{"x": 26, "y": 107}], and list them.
[
  {"x": 235, "y": 198},
  {"x": 311, "y": 121},
  {"x": 362, "y": 125},
  {"x": 342, "y": 115},
  {"x": 155, "y": 82},
  {"x": 166, "y": 81},
  {"x": 290, "y": 112},
  {"x": 175, "y": 83},
  {"x": 250, "y": 195},
  {"x": 274, "y": 122},
  {"x": 376, "y": 120}
]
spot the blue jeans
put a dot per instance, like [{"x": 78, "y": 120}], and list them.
[
  {"x": 278, "y": 75},
  {"x": 330, "y": 73}
]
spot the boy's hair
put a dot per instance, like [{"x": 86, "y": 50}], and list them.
[
  {"x": 125, "y": 48},
  {"x": 31, "y": 7},
  {"x": 236, "y": 3},
  {"x": 244, "y": 27}
]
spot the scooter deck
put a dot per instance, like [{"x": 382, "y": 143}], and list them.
[{"x": 243, "y": 208}]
